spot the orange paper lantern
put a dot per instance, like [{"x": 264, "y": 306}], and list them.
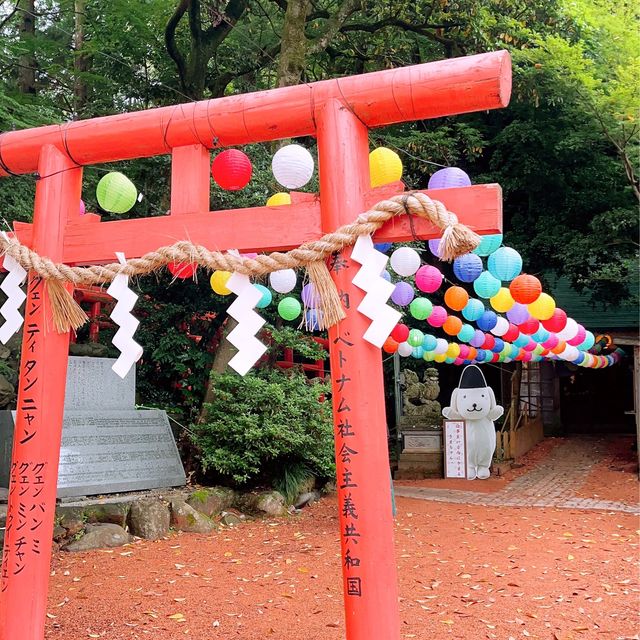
[
  {"x": 390, "y": 345},
  {"x": 559, "y": 348},
  {"x": 456, "y": 298},
  {"x": 525, "y": 289},
  {"x": 452, "y": 326}
]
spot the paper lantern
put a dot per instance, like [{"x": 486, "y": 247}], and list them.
[
  {"x": 292, "y": 166},
  {"x": 428, "y": 278},
  {"x": 309, "y": 295},
  {"x": 504, "y": 263},
  {"x": 283, "y": 280},
  {"x": 405, "y": 349},
  {"x": 464, "y": 351},
  {"x": 489, "y": 342},
  {"x": 486, "y": 285},
  {"x": 279, "y": 199},
  {"x": 385, "y": 166},
  {"x": 403, "y": 294},
  {"x": 466, "y": 333},
  {"x": 502, "y": 326},
  {"x": 428, "y": 356},
  {"x": 390, "y": 345},
  {"x": 449, "y": 177},
  {"x": 420, "y": 308},
  {"x": 83, "y": 208},
  {"x": 540, "y": 335},
  {"x": 182, "y": 270},
  {"x": 580, "y": 359},
  {"x": 429, "y": 342},
  {"x": 440, "y": 357},
  {"x": 487, "y": 321},
  {"x": 478, "y": 338},
  {"x": 383, "y": 247},
  {"x": 588, "y": 342},
  {"x": 231, "y": 169},
  {"x": 512, "y": 333},
  {"x": 543, "y": 307},
  {"x": 473, "y": 352},
  {"x": 218, "y": 282},
  {"x": 529, "y": 326},
  {"x": 559, "y": 348},
  {"x": 441, "y": 346},
  {"x": 415, "y": 338},
  {"x": 434, "y": 247},
  {"x": 556, "y": 322},
  {"x": 473, "y": 310},
  {"x": 525, "y": 289},
  {"x": 289, "y": 308},
  {"x": 502, "y": 301},
  {"x": 453, "y": 350},
  {"x": 569, "y": 331},
  {"x": 488, "y": 244},
  {"x": 579, "y": 337},
  {"x": 312, "y": 319},
  {"x": 518, "y": 313},
  {"x": 400, "y": 333},
  {"x": 498, "y": 345},
  {"x": 438, "y": 316},
  {"x": 551, "y": 343},
  {"x": 116, "y": 193},
  {"x": 386, "y": 275},
  {"x": 417, "y": 353},
  {"x": 456, "y": 298},
  {"x": 467, "y": 267},
  {"x": 267, "y": 296},
  {"x": 521, "y": 340},
  {"x": 405, "y": 261},
  {"x": 452, "y": 326}
]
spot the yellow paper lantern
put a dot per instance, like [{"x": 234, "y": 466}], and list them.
[
  {"x": 440, "y": 357},
  {"x": 219, "y": 281},
  {"x": 453, "y": 350},
  {"x": 543, "y": 307},
  {"x": 278, "y": 199},
  {"x": 385, "y": 166},
  {"x": 502, "y": 301}
]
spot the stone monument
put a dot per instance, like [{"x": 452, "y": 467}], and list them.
[
  {"x": 108, "y": 445},
  {"x": 420, "y": 426}
]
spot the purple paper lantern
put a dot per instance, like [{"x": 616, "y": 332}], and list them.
[
  {"x": 309, "y": 297},
  {"x": 434, "y": 247},
  {"x": 518, "y": 313},
  {"x": 449, "y": 177},
  {"x": 403, "y": 294},
  {"x": 478, "y": 339}
]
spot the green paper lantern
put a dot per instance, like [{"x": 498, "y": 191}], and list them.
[
  {"x": 116, "y": 193},
  {"x": 429, "y": 356},
  {"x": 415, "y": 338},
  {"x": 421, "y": 308},
  {"x": 289, "y": 308}
]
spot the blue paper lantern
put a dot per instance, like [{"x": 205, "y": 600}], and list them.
[
  {"x": 311, "y": 319},
  {"x": 473, "y": 310},
  {"x": 466, "y": 333},
  {"x": 487, "y": 320},
  {"x": 429, "y": 342},
  {"x": 383, "y": 246},
  {"x": 386, "y": 275},
  {"x": 486, "y": 285},
  {"x": 267, "y": 296},
  {"x": 467, "y": 267},
  {"x": 480, "y": 356},
  {"x": 580, "y": 358},
  {"x": 541, "y": 335},
  {"x": 488, "y": 244},
  {"x": 498, "y": 346},
  {"x": 588, "y": 342},
  {"x": 505, "y": 263},
  {"x": 417, "y": 353},
  {"x": 521, "y": 341},
  {"x": 449, "y": 177}
]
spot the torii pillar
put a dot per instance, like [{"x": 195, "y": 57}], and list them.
[{"x": 339, "y": 113}]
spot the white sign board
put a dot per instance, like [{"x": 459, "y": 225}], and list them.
[{"x": 455, "y": 449}]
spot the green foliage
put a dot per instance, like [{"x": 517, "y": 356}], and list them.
[
  {"x": 259, "y": 424},
  {"x": 292, "y": 477}
]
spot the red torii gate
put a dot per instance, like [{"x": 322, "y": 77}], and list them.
[{"x": 339, "y": 113}]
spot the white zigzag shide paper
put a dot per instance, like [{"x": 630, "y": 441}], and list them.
[
  {"x": 130, "y": 350},
  {"x": 243, "y": 337},
  {"x": 374, "y": 305},
  {"x": 15, "y": 297}
]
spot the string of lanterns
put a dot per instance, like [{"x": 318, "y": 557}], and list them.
[{"x": 507, "y": 317}]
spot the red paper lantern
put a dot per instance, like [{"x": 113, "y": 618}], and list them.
[
  {"x": 400, "y": 333},
  {"x": 183, "y": 270},
  {"x": 231, "y": 169},
  {"x": 556, "y": 322},
  {"x": 489, "y": 342},
  {"x": 525, "y": 289},
  {"x": 512, "y": 333},
  {"x": 529, "y": 326}
]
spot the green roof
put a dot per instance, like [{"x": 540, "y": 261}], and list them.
[{"x": 592, "y": 315}]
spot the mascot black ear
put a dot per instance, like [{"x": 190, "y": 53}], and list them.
[{"x": 472, "y": 378}]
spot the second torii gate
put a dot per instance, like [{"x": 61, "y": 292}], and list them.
[{"x": 339, "y": 113}]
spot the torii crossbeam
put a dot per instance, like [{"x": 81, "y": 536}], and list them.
[{"x": 339, "y": 113}]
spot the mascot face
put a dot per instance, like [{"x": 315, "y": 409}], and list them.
[{"x": 473, "y": 399}]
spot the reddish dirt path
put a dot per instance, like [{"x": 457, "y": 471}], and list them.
[{"x": 465, "y": 572}]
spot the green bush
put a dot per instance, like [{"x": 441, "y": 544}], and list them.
[{"x": 266, "y": 426}]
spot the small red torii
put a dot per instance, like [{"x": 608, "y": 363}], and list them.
[{"x": 339, "y": 113}]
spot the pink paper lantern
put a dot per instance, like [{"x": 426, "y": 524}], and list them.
[
  {"x": 438, "y": 316},
  {"x": 579, "y": 337},
  {"x": 428, "y": 278}
]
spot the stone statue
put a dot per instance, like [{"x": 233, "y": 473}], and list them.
[
  {"x": 419, "y": 399},
  {"x": 473, "y": 401}
]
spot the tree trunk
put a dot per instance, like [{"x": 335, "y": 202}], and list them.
[
  {"x": 293, "y": 48},
  {"x": 81, "y": 61},
  {"x": 27, "y": 61}
]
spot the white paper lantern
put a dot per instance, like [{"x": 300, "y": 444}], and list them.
[
  {"x": 405, "y": 349},
  {"x": 283, "y": 281},
  {"x": 502, "y": 326},
  {"x": 569, "y": 353},
  {"x": 405, "y": 261},
  {"x": 292, "y": 166},
  {"x": 570, "y": 330},
  {"x": 441, "y": 346}
]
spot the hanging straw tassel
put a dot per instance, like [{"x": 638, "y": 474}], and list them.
[
  {"x": 456, "y": 241},
  {"x": 67, "y": 313},
  {"x": 329, "y": 307}
]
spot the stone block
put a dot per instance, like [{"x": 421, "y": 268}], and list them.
[
  {"x": 211, "y": 500},
  {"x": 100, "y": 536},
  {"x": 149, "y": 519},
  {"x": 109, "y": 512},
  {"x": 186, "y": 518}
]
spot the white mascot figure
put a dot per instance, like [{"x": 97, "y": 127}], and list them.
[{"x": 473, "y": 401}]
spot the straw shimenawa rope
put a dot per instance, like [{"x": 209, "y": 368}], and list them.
[{"x": 457, "y": 239}]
